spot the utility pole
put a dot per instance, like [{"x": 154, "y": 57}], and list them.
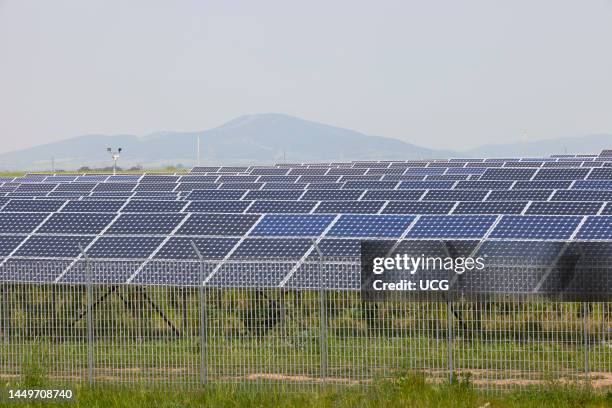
[{"x": 115, "y": 156}]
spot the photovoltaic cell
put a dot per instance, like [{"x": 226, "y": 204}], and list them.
[
  {"x": 490, "y": 207},
  {"x": 218, "y": 224},
  {"x": 349, "y": 207},
  {"x": 375, "y": 226},
  {"x": 292, "y": 225},
  {"x": 418, "y": 207},
  {"x": 536, "y": 227},
  {"x": 564, "y": 208},
  {"x": 280, "y": 206},
  {"x": 451, "y": 226}
]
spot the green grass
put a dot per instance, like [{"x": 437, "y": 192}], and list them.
[{"x": 406, "y": 390}]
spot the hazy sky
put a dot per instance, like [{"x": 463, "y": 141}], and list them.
[{"x": 441, "y": 74}]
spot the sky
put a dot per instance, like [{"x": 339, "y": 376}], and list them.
[{"x": 441, "y": 74}]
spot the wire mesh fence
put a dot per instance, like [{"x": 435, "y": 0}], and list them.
[{"x": 81, "y": 322}]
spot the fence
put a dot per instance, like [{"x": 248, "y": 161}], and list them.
[{"x": 238, "y": 327}]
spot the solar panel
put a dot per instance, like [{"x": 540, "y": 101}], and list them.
[
  {"x": 159, "y": 178},
  {"x": 542, "y": 184},
  {"x": 582, "y": 195},
  {"x": 284, "y": 186},
  {"x": 508, "y": 174},
  {"x": 519, "y": 195},
  {"x": 292, "y": 225},
  {"x": 200, "y": 178},
  {"x": 9, "y": 242},
  {"x": 76, "y": 223},
  {"x": 53, "y": 246},
  {"x": 564, "y": 208},
  {"x": 455, "y": 195},
  {"x": 374, "y": 226},
  {"x": 237, "y": 179},
  {"x": 156, "y": 187},
  {"x": 115, "y": 187},
  {"x": 529, "y": 252},
  {"x": 596, "y": 227},
  {"x": 349, "y": 207},
  {"x": 124, "y": 247},
  {"x": 536, "y": 227},
  {"x": 80, "y": 187},
  {"x": 279, "y": 207},
  {"x": 226, "y": 206},
  {"x": 274, "y": 195},
  {"x": 338, "y": 247},
  {"x": 272, "y": 248},
  {"x": 30, "y": 206},
  {"x": 143, "y": 206},
  {"x": 393, "y": 195},
  {"x": 216, "y": 194},
  {"x": 592, "y": 185},
  {"x": 145, "y": 223},
  {"x": 425, "y": 185},
  {"x": 490, "y": 207},
  {"x": 600, "y": 174},
  {"x": 484, "y": 185},
  {"x": 418, "y": 207},
  {"x": 196, "y": 186},
  {"x": 372, "y": 185},
  {"x": 88, "y": 206},
  {"x": 278, "y": 179},
  {"x": 451, "y": 226},
  {"x": 210, "y": 248},
  {"x": 218, "y": 224},
  {"x": 318, "y": 179},
  {"x": 561, "y": 174},
  {"x": 319, "y": 195},
  {"x": 241, "y": 186},
  {"x": 269, "y": 171}
]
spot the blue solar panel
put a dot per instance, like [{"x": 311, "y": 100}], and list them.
[
  {"x": 318, "y": 179},
  {"x": 530, "y": 252},
  {"x": 197, "y": 186},
  {"x": 218, "y": 224},
  {"x": 519, "y": 195},
  {"x": 272, "y": 248},
  {"x": 285, "y": 186},
  {"x": 145, "y": 223},
  {"x": 237, "y": 179},
  {"x": 156, "y": 187},
  {"x": 216, "y": 194},
  {"x": 405, "y": 195},
  {"x": 111, "y": 206},
  {"x": 536, "y": 227},
  {"x": 53, "y": 246},
  {"x": 596, "y": 227},
  {"x": 375, "y": 226},
  {"x": 9, "y": 242},
  {"x": 274, "y": 195},
  {"x": 484, "y": 185},
  {"x": 33, "y": 205},
  {"x": 269, "y": 171},
  {"x": 424, "y": 170},
  {"x": 542, "y": 184},
  {"x": 451, "y": 226},
  {"x": 308, "y": 171},
  {"x": 418, "y": 207},
  {"x": 292, "y": 225},
  {"x": 154, "y": 206},
  {"x": 592, "y": 185},
  {"x": 564, "y": 208},
  {"x": 582, "y": 195},
  {"x": 490, "y": 207},
  {"x": 561, "y": 174},
  {"x": 76, "y": 223},
  {"x": 200, "y": 178},
  {"x": 452, "y": 177},
  {"x": 338, "y": 247},
  {"x": 80, "y": 187},
  {"x": 349, "y": 207},
  {"x": 508, "y": 174},
  {"x": 124, "y": 178},
  {"x": 241, "y": 186},
  {"x": 600, "y": 174},
  {"x": 426, "y": 185},
  {"x": 455, "y": 195},
  {"x": 279, "y": 207},
  {"x": 210, "y": 248},
  {"x": 318, "y": 195},
  {"x": 115, "y": 187},
  {"x": 227, "y": 206},
  {"x": 35, "y": 187},
  {"x": 370, "y": 185},
  {"x": 124, "y": 247},
  {"x": 159, "y": 178},
  {"x": 607, "y": 209}
]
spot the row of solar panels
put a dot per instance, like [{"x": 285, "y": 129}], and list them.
[
  {"x": 492, "y": 205},
  {"x": 315, "y": 225},
  {"x": 331, "y": 175},
  {"x": 298, "y": 269}
]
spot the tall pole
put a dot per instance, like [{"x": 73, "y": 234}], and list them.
[{"x": 198, "y": 150}]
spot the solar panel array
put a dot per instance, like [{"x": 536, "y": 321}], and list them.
[{"x": 269, "y": 212}]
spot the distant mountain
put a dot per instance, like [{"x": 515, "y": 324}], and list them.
[
  {"x": 573, "y": 145},
  {"x": 252, "y": 139},
  {"x": 264, "y": 139}
]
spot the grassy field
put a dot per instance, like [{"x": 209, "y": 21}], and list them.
[{"x": 406, "y": 390}]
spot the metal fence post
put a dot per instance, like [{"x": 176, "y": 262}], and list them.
[
  {"x": 89, "y": 279},
  {"x": 323, "y": 312},
  {"x": 585, "y": 336},
  {"x": 202, "y": 301},
  {"x": 449, "y": 324}
]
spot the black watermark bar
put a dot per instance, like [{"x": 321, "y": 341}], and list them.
[{"x": 447, "y": 270}]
